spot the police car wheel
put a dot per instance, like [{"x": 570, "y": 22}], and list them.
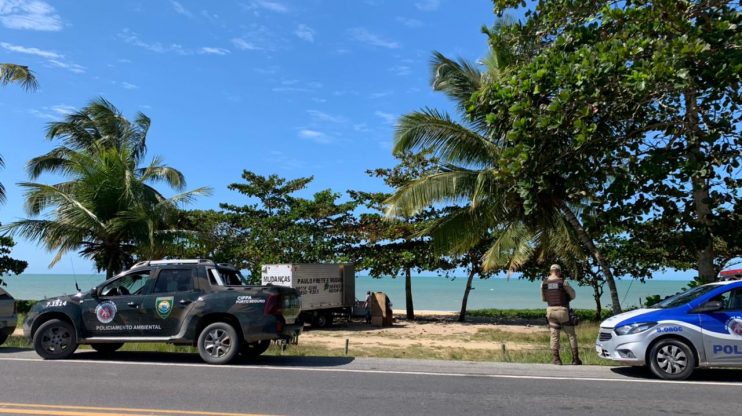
[
  {"x": 218, "y": 343},
  {"x": 107, "y": 348},
  {"x": 672, "y": 359},
  {"x": 55, "y": 339}
]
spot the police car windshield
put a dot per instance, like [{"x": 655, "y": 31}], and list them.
[{"x": 685, "y": 297}]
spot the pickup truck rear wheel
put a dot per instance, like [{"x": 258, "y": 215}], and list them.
[
  {"x": 218, "y": 343},
  {"x": 107, "y": 348},
  {"x": 671, "y": 359},
  {"x": 55, "y": 339},
  {"x": 254, "y": 349}
]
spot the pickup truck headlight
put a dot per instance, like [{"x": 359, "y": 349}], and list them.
[{"x": 636, "y": 328}]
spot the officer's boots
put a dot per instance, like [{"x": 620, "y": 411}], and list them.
[
  {"x": 576, "y": 357},
  {"x": 555, "y": 357}
]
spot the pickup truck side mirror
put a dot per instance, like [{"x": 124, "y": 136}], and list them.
[
  {"x": 710, "y": 306},
  {"x": 95, "y": 292}
]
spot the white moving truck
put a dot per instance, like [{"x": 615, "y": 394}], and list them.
[{"x": 327, "y": 290}]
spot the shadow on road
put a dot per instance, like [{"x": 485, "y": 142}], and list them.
[
  {"x": 192, "y": 358},
  {"x": 8, "y": 350},
  {"x": 703, "y": 374}
]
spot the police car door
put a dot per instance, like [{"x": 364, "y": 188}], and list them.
[
  {"x": 722, "y": 330},
  {"x": 116, "y": 311},
  {"x": 173, "y": 293}
]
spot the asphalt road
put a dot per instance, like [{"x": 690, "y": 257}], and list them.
[{"x": 159, "y": 384}]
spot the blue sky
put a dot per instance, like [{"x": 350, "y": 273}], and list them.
[{"x": 296, "y": 88}]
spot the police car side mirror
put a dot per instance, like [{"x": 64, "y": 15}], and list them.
[{"x": 710, "y": 306}]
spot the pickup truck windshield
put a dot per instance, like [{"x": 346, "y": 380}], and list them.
[{"x": 685, "y": 297}]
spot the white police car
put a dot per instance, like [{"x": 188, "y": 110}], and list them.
[{"x": 701, "y": 327}]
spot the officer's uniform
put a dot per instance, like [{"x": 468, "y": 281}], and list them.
[{"x": 557, "y": 294}]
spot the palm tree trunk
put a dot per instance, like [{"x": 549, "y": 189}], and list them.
[
  {"x": 462, "y": 314},
  {"x": 408, "y": 294},
  {"x": 587, "y": 241},
  {"x": 596, "y": 295}
]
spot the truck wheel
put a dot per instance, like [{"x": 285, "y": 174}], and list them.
[
  {"x": 218, "y": 343},
  {"x": 672, "y": 359},
  {"x": 107, "y": 348},
  {"x": 55, "y": 339},
  {"x": 322, "y": 320},
  {"x": 254, "y": 349}
]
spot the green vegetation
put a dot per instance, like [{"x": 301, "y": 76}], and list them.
[
  {"x": 505, "y": 315},
  {"x": 106, "y": 208}
]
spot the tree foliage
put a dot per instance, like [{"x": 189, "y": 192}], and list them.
[
  {"x": 279, "y": 227},
  {"x": 107, "y": 208}
]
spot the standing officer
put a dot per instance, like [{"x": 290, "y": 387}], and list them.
[{"x": 557, "y": 293}]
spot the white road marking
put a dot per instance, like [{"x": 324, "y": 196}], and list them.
[{"x": 367, "y": 371}]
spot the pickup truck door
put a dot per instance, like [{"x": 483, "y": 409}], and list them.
[
  {"x": 722, "y": 330},
  {"x": 165, "y": 307},
  {"x": 115, "y": 310}
]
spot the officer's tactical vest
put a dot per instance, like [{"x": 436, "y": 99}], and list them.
[{"x": 554, "y": 293}]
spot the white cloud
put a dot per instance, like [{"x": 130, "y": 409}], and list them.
[
  {"x": 240, "y": 43},
  {"x": 31, "y": 51},
  {"x": 271, "y": 5},
  {"x": 315, "y": 136},
  {"x": 213, "y": 51},
  {"x": 409, "y": 22},
  {"x": 387, "y": 117},
  {"x": 53, "y": 58},
  {"x": 78, "y": 69},
  {"x": 63, "y": 109},
  {"x": 133, "y": 39},
  {"x": 400, "y": 70},
  {"x": 29, "y": 14},
  {"x": 363, "y": 35},
  {"x": 305, "y": 32},
  {"x": 324, "y": 117},
  {"x": 180, "y": 9},
  {"x": 381, "y": 94},
  {"x": 129, "y": 86},
  {"x": 428, "y": 5}
]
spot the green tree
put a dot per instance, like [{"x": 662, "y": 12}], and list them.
[
  {"x": 472, "y": 178},
  {"x": 279, "y": 227},
  {"x": 641, "y": 99},
  {"x": 396, "y": 245},
  {"x": 18, "y": 74},
  {"x": 107, "y": 208},
  {"x": 9, "y": 265}
]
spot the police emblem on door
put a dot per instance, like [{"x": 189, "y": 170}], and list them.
[
  {"x": 734, "y": 325},
  {"x": 164, "y": 306},
  {"x": 105, "y": 312}
]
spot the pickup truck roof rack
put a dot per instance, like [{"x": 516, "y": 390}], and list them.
[{"x": 174, "y": 261}]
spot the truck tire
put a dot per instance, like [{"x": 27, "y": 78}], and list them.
[
  {"x": 254, "y": 349},
  {"x": 671, "y": 359},
  {"x": 107, "y": 348},
  {"x": 55, "y": 339},
  {"x": 322, "y": 320},
  {"x": 218, "y": 343},
  {"x": 3, "y": 337}
]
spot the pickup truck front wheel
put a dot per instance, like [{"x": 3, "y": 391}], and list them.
[
  {"x": 218, "y": 343},
  {"x": 55, "y": 339}
]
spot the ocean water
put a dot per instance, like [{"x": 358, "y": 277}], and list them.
[{"x": 432, "y": 293}]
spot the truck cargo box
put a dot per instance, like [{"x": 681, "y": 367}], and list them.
[{"x": 322, "y": 286}]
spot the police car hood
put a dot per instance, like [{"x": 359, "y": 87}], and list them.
[{"x": 615, "y": 320}]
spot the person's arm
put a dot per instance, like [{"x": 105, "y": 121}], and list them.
[
  {"x": 543, "y": 295},
  {"x": 569, "y": 290}
]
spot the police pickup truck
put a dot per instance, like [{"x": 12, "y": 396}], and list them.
[
  {"x": 188, "y": 302},
  {"x": 701, "y": 327}
]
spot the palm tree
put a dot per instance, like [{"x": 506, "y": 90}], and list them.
[
  {"x": 18, "y": 74},
  {"x": 108, "y": 209},
  {"x": 469, "y": 179},
  {"x": 12, "y": 73}
]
